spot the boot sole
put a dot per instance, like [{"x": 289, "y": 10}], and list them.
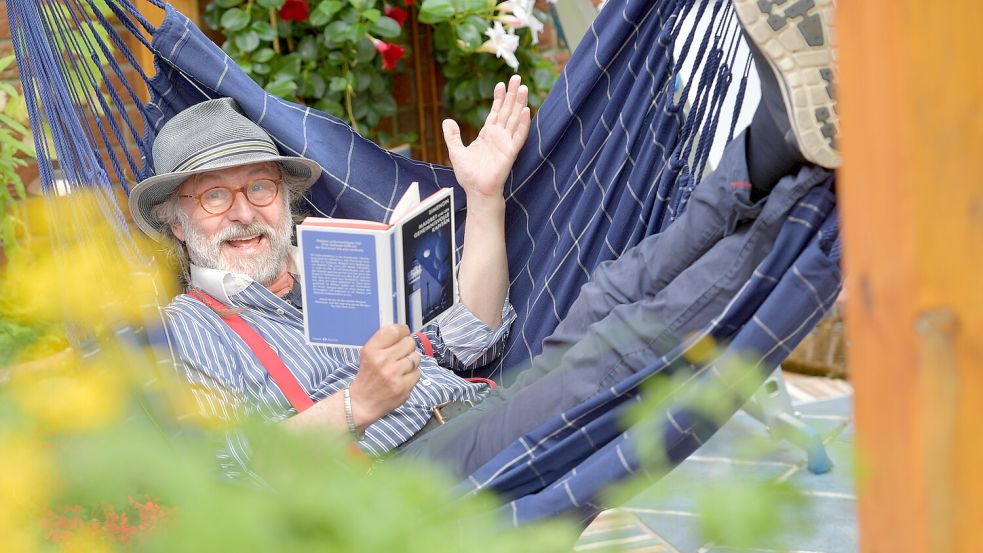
[{"x": 796, "y": 37}]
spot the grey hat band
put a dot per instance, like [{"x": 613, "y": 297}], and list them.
[{"x": 225, "y": 150}]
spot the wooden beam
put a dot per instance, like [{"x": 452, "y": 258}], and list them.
[
  {"x": 155, "y": 15},
  {"x": 911, "y": 190}
]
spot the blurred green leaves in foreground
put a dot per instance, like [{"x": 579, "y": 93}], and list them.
[
  {"x": 738, "y": 508},
  {"x": 100, "y": 453},
  {"x": 95, "y": 443}
]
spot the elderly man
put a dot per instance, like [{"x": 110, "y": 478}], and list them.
[{"x": 222, "y": 193}]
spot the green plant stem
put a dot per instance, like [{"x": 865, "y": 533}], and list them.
[
  {"x": 349, "y": 93},
  {"x": 276, "y": 31}
]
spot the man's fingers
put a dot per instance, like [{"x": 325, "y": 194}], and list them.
[
  {"x": 522, "y": 130},
  {"x": 452, "y": 135},
  {"x": 515, "y": 117},
  {"x": 412, "y": 362},
  {"x": 402, "y": 348},
  {"x": 498, "y": 98},
  {"x": 388, "y": 336},
  {"x": 396, "y": 351},
  {"x": 509, "y": 102}
]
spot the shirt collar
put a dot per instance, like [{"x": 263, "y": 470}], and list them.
[{"x": 222, "y": 285}]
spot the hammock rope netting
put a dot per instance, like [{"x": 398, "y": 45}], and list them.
[{"x": 613, "y": 156}]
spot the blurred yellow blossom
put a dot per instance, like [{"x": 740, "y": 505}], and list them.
[
  {"x": 186, "y": 407},
  {"x": 702, "y": 350},
  {"x": 18, "y": 536},
  {"x": 74, "y": 267},
  {"x": 67, "y": 396},
  {"x": 27, "y": 479},
  {"x": 85, "y": 539}
]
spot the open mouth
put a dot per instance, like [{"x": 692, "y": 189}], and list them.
[{"x": 247, "y": 243}]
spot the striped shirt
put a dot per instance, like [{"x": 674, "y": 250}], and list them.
[{"x": 228, "y": 381}]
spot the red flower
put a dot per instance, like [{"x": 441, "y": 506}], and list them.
[
  {"x": 295, "y": 10},
  {"x": 112, "y": 526},
  {"x": 407, "y": 2},
  {"x": 391, "y": 53},
  {"x": 399, "y": 14}
]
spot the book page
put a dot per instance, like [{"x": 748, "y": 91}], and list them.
[
  {"x": 427, "y": 241},
  {"x": 405, "y": 204}
]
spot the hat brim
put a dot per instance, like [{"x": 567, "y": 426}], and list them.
[{"x": 298, "y": 173}]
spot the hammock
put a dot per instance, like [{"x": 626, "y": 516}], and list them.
[{"x": 592, "y": 181}]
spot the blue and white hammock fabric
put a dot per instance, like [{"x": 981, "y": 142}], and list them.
[{"x": 612, "y": 157}]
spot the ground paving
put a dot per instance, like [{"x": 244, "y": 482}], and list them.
[{"x": 664, "y": 517}]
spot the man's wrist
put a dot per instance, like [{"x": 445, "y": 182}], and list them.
[
  {"x": 353, "y": 429},
  {"x": 365, "y": 411},
  {"x": 491, "y": 204}
]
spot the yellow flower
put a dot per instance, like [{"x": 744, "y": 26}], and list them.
[
  {"x": 18, "y": 536},
  {"x": 70, "y": 398},
  {"x": 702, "y": 350},
  {"x": 26, "y": 481},
  {"x": 85, "y": 539},
  {"x": 185, "y": 407},
  {"x": 87, "y": 274}
]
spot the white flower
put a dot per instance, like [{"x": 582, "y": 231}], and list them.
[
  {"x": 503, "y": 44},
  {"x": 523, "y": 11},
  {"x": 505, "y": 7},
  {"x": 519, "y": 14}
]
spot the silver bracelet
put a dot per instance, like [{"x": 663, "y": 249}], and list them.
[{"x": 349, "y": 417}]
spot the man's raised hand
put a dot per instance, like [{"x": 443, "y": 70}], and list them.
[
  {"x": 482, "y": 167},
  {"x": 388, "y": 370}
]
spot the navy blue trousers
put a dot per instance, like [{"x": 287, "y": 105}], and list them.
[{"x": 633, "y": 310}]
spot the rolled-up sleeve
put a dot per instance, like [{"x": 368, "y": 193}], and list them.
[{"x": 461, "y": 341}]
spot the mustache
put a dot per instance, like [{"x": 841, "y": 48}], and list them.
[{"x": 238, "y": 232}]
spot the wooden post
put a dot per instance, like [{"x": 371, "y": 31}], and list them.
[
  {"x": 911, "y": 190},
  {"x": 156, "y": 15}
]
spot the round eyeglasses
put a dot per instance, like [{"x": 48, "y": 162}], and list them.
[{"x": 218, "y": 200}]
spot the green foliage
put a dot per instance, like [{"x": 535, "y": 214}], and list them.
[
  {"x": 16, "y": 147},
  {"x": 746, "y": 514},
  {"x": 470, "y": 67},
  {"x": 735, "y": 511},
  {"x": 320, "y": 497},
  {"x": 332, "y": 62},
  {"x": 326, "y": 61}
]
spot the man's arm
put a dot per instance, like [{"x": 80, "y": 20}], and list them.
[
  {"x": 388, "y": 370},
  {"x": 481, "y": 168},
  {"x": 388, "y": 363}
]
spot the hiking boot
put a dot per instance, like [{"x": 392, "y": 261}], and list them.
[{"x": 794, "y": 39}]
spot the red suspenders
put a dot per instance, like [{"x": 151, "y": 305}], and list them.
[{"x": 284, "y": 379}]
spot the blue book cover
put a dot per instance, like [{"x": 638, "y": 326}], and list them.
[{"x": 360, "y": 275}]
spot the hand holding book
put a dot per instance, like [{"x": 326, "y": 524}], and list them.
[{"x": 361, "y": 275}]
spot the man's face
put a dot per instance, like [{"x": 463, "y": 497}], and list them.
[{"x": 245, "y": 239}]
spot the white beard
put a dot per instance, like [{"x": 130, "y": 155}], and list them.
[{"x": 263, "y": 268}]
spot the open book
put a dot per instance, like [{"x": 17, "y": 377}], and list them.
[{"x": 361, "y": 275}]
